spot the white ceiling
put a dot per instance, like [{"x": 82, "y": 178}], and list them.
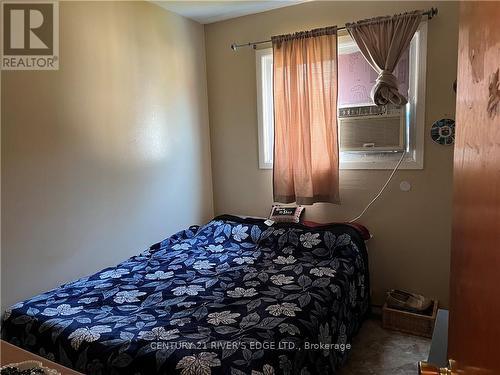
[{"x": 212, "y": 11}]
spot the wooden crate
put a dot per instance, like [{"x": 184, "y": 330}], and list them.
[{"x": 404, "y": 321}]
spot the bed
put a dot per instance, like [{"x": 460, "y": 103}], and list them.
[{"x": 235, "y": 296}]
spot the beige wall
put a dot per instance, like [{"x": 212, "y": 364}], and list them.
[
  {"x": 107, "y": 155},
  {"x": 411, "y": 243}
]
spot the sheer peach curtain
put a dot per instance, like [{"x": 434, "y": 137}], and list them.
[
  {"x": 382, "y": 41},
  {"x": 306, "y": 155}
]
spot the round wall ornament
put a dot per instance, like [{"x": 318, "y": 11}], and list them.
[{"x": 443, "y": 131}]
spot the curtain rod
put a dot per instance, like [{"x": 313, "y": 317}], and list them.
[{"x": 429, "y": 13}]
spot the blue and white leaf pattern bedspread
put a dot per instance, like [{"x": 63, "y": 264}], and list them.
[{"x": 231, "y": 297}]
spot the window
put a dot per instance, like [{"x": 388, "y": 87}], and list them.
[
  {"x": 370, "y": 137},
  {"x": 265, "y": 107}
]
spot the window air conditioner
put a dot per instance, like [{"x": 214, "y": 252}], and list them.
[{"x": 372, "y": 128}]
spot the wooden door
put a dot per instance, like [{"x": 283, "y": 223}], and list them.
[{"x": 474, "y": 333}]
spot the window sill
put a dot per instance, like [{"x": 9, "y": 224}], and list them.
[
  {"x": 388, "y": 164},
  {"x": 381, "y": 165},
  {"x": 412, "y": 160}
]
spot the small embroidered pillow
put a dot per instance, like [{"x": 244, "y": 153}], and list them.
[{"x": 286, "y": 214}]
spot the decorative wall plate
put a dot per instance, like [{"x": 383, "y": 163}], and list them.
[{"x": 443, "y": 131}]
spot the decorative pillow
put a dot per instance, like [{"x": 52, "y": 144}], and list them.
[{"x": 286, "y": 214}]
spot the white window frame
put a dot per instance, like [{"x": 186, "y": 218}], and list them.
[
  {"x": 414, "y": 158},
  {"x": 264, "y": 60}
]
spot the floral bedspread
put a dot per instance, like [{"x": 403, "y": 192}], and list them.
[{"x": 234, "y": 296}]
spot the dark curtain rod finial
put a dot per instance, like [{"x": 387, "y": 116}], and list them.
[
  {"x": 429, "y": 13},
  {"x": 235, "y": 46},
  {"x": 433, "y": 12}
]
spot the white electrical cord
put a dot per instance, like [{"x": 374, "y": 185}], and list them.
[{"x": 381, "y": 190}]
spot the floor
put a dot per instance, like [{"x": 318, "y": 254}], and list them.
[{"x": 376, "y": 351}]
